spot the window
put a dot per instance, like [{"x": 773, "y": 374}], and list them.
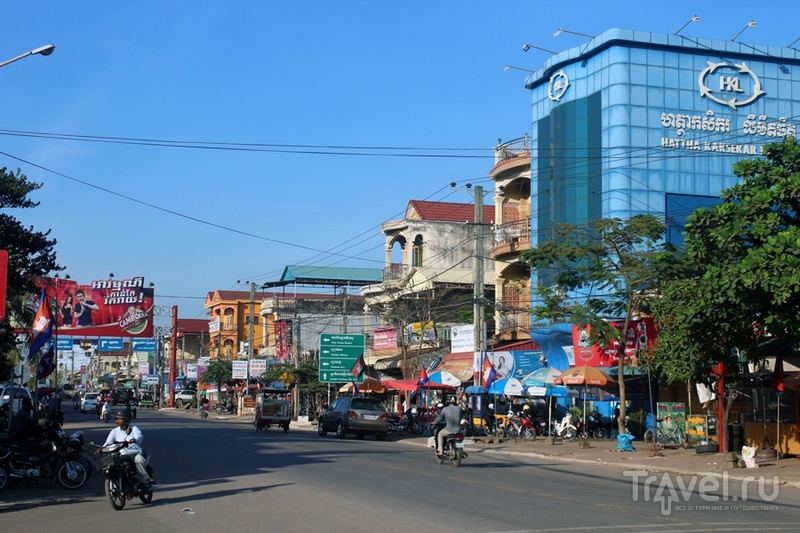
[{"x": 416, "y": 252}]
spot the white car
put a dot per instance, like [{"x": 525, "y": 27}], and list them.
[
  {"x": 89, "y": 402},
  {"x": 18, "y": 393}
]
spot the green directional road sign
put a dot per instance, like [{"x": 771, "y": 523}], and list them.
[{"x": 337, "y": 355}]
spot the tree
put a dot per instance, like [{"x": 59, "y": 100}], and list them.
[
  {"x": 219, "y": 372},
  {"x": 744, "y": 294},
  {"x": 609, "y": 269},
  {"x": 30, "y": 254}
]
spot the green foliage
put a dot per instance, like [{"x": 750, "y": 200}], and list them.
[
  {"x": 219, "y": 372},
  {"x": 745, "y": 258},
  {"x": 609, "y": 269},
  {"x": 30, "y": 254}
]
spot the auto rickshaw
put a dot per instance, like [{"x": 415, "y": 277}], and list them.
[{"x": 274, "y": 409}]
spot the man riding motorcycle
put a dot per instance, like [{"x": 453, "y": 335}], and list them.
[
  {"x": 124, "y": 432},
  {"x": 451, "y": 415}
]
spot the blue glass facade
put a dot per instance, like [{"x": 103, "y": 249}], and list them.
[{"x": 630, "y": 118}]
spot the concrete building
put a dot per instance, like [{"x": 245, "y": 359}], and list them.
[{"x": 634, "y": 122}]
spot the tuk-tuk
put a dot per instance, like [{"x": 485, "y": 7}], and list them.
[
  {"x": 274, "y": 409},
  {"x": 146, "y": 401}
]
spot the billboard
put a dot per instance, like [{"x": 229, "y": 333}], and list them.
[
  {"x": 104, "y": 308},
  {"x": 638, "y": 339}
]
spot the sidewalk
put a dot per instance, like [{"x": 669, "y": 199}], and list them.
[{"x": 671, "y": 459}]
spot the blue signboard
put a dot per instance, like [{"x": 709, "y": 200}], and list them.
[
  {"x": 144, "y": 345},
  {"x": 113, "y": 344},
  {"x": 64, "y": 344}
]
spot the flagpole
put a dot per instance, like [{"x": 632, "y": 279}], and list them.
[{"x": 778, "y": 438}]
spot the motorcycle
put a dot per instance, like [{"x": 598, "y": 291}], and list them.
[
  {"x": 409, "y": 423},
  {"x": 596, "y": 427},
  {"x": 565, "y": 429},
  {"x": 30, "y": 461},
  {"x": 222, "y": 409},
  {"x": 105, "y": 412},
  {"x": 203, "y": 412},
  {"x": 520, "y": 427},
  {"x": 122, "y": 483},
  {"x": 453, "y": 446}
]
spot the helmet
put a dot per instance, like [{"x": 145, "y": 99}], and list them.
[
  {"x": 123, "y": 415},
  {"x": 439, "y": 405},
  {"x": 526, "y": 407},
  {"x": 453, "y": 400}
]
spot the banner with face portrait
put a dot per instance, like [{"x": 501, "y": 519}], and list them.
[{"x": 104, "y": 308}]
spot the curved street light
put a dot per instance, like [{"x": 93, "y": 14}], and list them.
[
  {"x": 695, "y": 18},
  {"x": 45, "y": 50},
  {"x": 751, "y": 24}
]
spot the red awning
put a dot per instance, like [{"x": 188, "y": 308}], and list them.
[{"x": 413, "y": 384}]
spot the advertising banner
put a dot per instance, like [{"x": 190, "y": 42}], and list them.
[
  {"x": 104, "y": 308},
  {"x": 257, "y": 367},
  {"x": 462, "y": 339},
  {"x": 144, "y": 368},
  {"x": 384, "y": 338},
  {"x": 239, "y": 370},
  {"x": 281, "y": 340},
  {"x": 638, "y": 339}
]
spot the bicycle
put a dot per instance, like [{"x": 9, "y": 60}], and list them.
[{"x": 657, "y": 437}]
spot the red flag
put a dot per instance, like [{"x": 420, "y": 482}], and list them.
[
  {"x": 488, "y": 372},
  {"x": 423, "y": 377},
  {"x": 359, "y": 366},
  {"x": 777, "y": 378},
  {"x": 47, "y": 364},
  {"x": 42, "y": 328}
]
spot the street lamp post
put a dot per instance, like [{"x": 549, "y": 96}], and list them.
[{"x": 45, "y": 50}]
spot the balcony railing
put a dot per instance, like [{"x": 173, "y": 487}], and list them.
[
  {"x": 395, "y": 272},
  {"x": 511, "y": 149},
  {"x": 513, "y": 231}
]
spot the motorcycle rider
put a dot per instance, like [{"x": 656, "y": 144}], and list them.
[
  {"x": 105, "y": 410},
  {"x": 451, "y": 415},
  {"x": 23, "y": 426},
  {"x": 124, "y": 432}
]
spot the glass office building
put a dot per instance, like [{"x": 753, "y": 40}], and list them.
[{"x": 635, "y": 122}]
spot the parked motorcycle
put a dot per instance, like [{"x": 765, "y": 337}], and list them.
[
  {"x": 409, "y": 423},
  {"x": 565, "y": 429},
  {"x": 595, "y": 426},
  {"x": 32, "y": 461},
  {"x": 122, "y": 483},
  {"x": 453, "y": 445},
  {"x": 222, "y": 409},
  {"x": 520, "y": 427}
]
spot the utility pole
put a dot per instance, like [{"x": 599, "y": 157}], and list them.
[
  {"x": 478, "y": 296},
  {"x": 251, "y": 332}
]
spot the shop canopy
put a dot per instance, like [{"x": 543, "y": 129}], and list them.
[{"x": 413, "y": 384}]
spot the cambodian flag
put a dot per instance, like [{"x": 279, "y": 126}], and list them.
[
  {"x": 47, "y": 364},
  {"x": 355, "y": 389},
  {"x": 359, "y": 366},
  {"x": 488, "y": 372},
  {"x": 42, "y": 329},
  {"x": 423, "y": 377}
]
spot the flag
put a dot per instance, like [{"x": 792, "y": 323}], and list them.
[
  {"x": 359, "y": 366},
  {"x": 777, "y": 379},
  {"x": 42, "y": 328},
  {"x": 47, "y": 364},
  {"x": 488, "y": 372},
  {"x": 355, "y": 388},
  {"x": 423, "y": 377}
]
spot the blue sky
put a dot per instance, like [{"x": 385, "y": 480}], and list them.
[{"x": 221, "y": 141}]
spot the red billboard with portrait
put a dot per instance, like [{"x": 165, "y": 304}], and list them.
[
  {"x": 104, "y": 308},
  {"x": 640, "y": 336}
]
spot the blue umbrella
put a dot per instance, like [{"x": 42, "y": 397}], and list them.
[{"x": 507, "y": 386}]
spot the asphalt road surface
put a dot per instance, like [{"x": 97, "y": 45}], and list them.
[{"x": 220, "y": 475}]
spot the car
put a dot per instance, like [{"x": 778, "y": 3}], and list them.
[
  {"x": 18, "y": 393},
  {"x": 89, "y": 402},
  {"x": 122, "y": 395},
  {"x": 185, "y": 396},
  {"x": 354, "y": 415}
]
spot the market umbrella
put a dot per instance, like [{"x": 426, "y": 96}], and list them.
[
  {"x": 542, "y": 382},
  {"x": 507, "y": 386},
  {"x": 445, "y": 378},
  {"x": 586, "y": 376}
]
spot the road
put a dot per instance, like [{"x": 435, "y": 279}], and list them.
[{"x": 219, "y": 475}]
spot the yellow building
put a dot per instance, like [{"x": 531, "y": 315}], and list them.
[{"x": 229, "y": 331}]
